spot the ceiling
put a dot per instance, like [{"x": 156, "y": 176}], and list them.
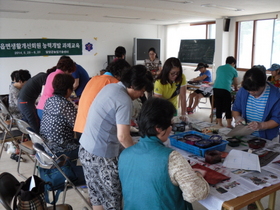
[{"x": 157, "y": 12}]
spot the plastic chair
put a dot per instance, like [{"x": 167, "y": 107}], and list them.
[
  {"x": 7, "y": 127},
  {"x": 8, "y": 188},
  {"x": 24, "y": 146},
  {"x": 50, "y": 160}
]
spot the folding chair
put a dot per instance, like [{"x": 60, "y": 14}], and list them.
[
  {"x": 9, "y": 133},
  {"x": 50, "y": 160},
  {"x": 8, "y": 189},
  {"x": 24, "y": 146}
]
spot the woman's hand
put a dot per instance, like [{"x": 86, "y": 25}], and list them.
[
  {"x": 184, "y": 118},
  {"x": 200, "y": 171},
  {"x": 239, "y": 120},
  {"x": 255, "y": 125}
]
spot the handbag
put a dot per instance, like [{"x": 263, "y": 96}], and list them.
[
  {"x": 34, "y": 199},
  {"x": 57, "y": 180}
]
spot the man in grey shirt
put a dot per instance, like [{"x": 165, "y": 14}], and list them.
[{"x": 107, "y": 129}]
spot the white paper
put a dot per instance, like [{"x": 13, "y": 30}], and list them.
[
  {"x": 32, "y": 183},
  {"x": 242, "y": 160}
]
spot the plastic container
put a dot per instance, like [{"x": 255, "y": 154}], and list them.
[
  {"x": 213, "y": 156},
  {"x": 194, "y": 149},
  {"x": 191, "y": 139},
  {"x": 179, "y": 127},
  {"x": 256, "y": 143}
]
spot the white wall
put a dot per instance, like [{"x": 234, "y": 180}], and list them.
[
  {"x": 224, "y": 45},
  {"x": 109, "y": 36}
]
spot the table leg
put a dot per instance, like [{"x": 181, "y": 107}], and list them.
[
  {"x": 259, "y": 205},
  {"x": 212, "y": 109},
  {"x": 271, "y": 202}
]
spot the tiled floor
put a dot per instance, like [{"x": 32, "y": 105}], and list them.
[{"x": 72, "y": 198}]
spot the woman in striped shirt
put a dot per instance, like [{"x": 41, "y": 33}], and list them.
[{"x": 257, "y": 104}]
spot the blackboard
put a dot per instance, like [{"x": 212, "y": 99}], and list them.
[
  {"x": 143, "y": 45},
  {"x": 197, "y": 50}
]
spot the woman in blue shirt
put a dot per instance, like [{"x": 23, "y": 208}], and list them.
[{"x": 204, "y": 76}]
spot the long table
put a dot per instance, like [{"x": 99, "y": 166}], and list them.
[
  {"x": 242, "y": 200},
  {"x": 256, "y": 196}
]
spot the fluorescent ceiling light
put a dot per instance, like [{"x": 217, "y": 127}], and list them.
[
  {"x": 111, "y": 6},
  {"x": 178, "y": 1},
  {"x": 221, "y": 7},
  {"x": 56, "y": 13},
  {"x": 13, "y": 11},
  {"x": 66, "y": 3},
  {"x": 121, "y": 17},
  {"x": 157, "y": 20}
]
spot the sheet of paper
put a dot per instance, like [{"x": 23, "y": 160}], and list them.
[
  {"x": 240, "y": 130},
  {"x": 32, "y": 183},
  {"x": 242, "y": 160}
]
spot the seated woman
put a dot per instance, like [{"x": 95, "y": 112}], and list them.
[
  {"x": 205, "y": 76},
  {"x": 275, "y": 74},
  {"x": 257, "y": 104},
  {"x": 162, "y": 178},
  {"x": 58, "y": 118},
  {"x": 19, "y": 78}
]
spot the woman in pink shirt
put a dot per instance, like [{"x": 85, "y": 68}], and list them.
[{"x": 65, "y": 65}]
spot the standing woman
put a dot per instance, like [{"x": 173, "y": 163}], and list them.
[
  {"x": 171, "y": 84},
  {"x": 226, "y": 75},
  {"x": 65, "y": 65},
  {"x": 27, "y": 98},
  {"x": 153, "y": 64}
]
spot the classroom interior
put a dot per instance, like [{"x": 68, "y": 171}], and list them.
[{"x": 61, "y": 22}]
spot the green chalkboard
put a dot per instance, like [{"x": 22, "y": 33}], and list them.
[{"x": 197, "y": 50}]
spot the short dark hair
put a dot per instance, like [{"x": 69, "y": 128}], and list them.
[
  {"x": 138, "y": 78},
  {"x": 168, "y": 65},
  {"x": 65, "y": 63},
  {"x": 120, "y": 51},
  {"x": 14, "y": 75},
  {"x": 24, "y": 75},
  {"x": 118, "y": 67},
  {"x": 254, "y": 79},
  {"x": 21, "y": 75},
  {"x": 155, "y": 113},
  {"x": 61, "y": 83},
  {"x": 230, "y": 60}
]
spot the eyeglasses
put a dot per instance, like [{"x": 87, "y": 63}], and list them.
[{"x": 174, "y": 73}]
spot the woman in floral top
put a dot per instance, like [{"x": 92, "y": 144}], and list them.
[{"x": 58, "y": 118}]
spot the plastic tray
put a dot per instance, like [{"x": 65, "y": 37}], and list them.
[{"x": 194, "y": 149}]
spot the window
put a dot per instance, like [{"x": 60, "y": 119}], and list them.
[
  {"x": 203, "y": 30},
  {"x": 175, "y": 33},
  {"x": 258, "y": 43},
  {"x": 211, "y": 31}
]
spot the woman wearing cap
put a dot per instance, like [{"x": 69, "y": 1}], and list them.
[
  {"x": 275, "y": 74},
  {"x": 205, "y": 76}
]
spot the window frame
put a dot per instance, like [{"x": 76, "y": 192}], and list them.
[
  {"x": 237, "y": 26},
  {"x": 206, "y": 24}
]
